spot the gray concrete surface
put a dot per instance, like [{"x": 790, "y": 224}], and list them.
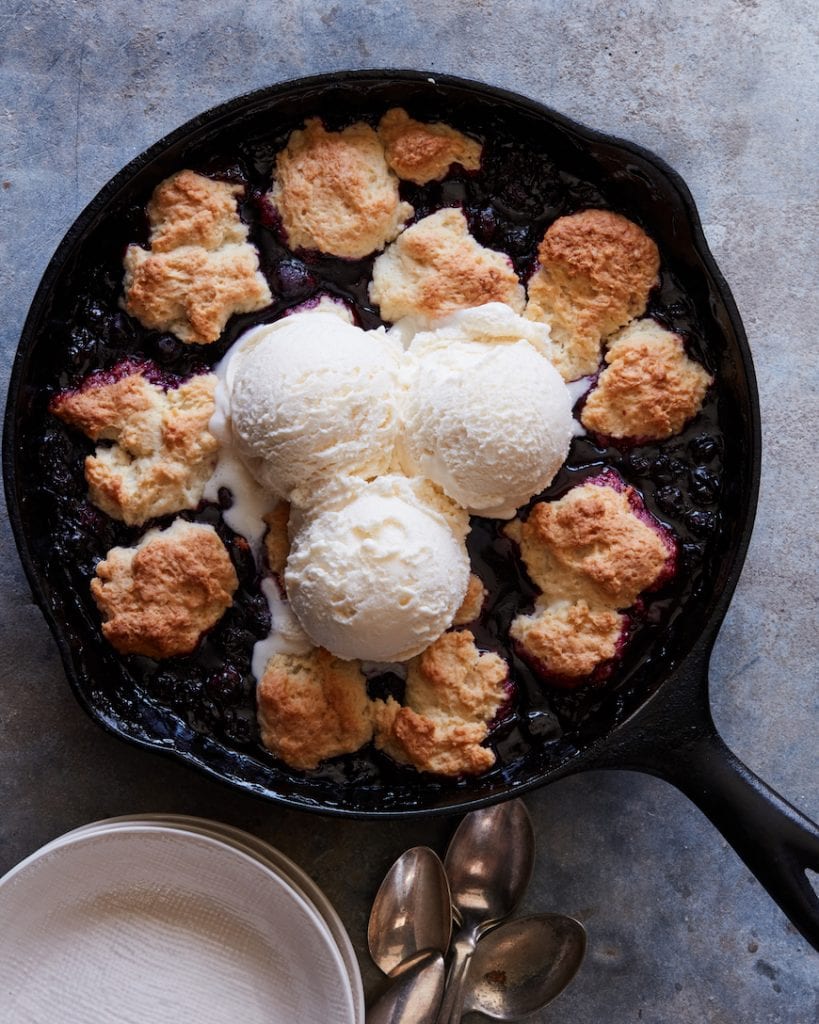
[{"x": 725, "y": 92}]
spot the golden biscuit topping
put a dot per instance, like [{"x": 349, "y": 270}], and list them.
[
  {"x": 163, "y": 451},
  {"x": 591, "y": 545},
  {"x": 590, "y": 554},
  {"x": 453, "y": 692},
  {"x": 436, "y": 267},
  {"x": 200, "y": 269},
  {"x": 192, "y": 292},
  {"x": 190, "y": 209},
  {"x": 472, "y": 603},
  {"x": 277, "y": 540},
  {"x": 596, "y": 271},
  {"x": 422, "y": 152},
  {"x": 159, "y": 597},
  {"x": 570, "y": 639},
  {"x": 313, "y": 706},
  {"x": 649, "y": 388},
  {"x": 334, "y": 191}
]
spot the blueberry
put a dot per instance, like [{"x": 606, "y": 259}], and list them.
[
  {"x": 703, "y": 447},
  {"x": 516, "y": 240},
  {"x": 293, "y": 279},
  {"x": 237, "y": 643},
  {"x": 257, "y": 614},
  {"x": 225, "y": 498},
  {"x": 704, "y": 484},
  {"x": 690, "y": 554},
  {"x": 666, "y": 469},
  {"x": 639, "y": 463},
  {"x": 483, "y": 223},
  {"x": 670, "y": 499},
  {"x": 82, "y": 346},
  {"x": 238, "y": 725},
  {"x": 701, "y": 523},
  {"x": 166, "y": 348},
  {"x": 225, "y": 685}
]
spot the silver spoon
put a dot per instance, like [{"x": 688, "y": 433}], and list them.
[
  {"x": 524, "y": 964},
  {"x": 488, "y": 863},
  {"x": 415, "y": 994},
  {"x": 411, "y": 910}
]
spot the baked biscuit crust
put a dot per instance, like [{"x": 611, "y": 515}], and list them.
[
  {"x": 277, "y": 540},
  {"x": 163, "y": 451},
  {"x": 421, "y": 152},
  {"x": 453, "y": 692},
  {"x": 569, "y": 640},
  {"x": 200, "y": 269},
  {"x": 190, "y": 209},
  {"x": 590, "y": 545},
  {"x": 436, "y": 267},
  {"x": 596, "y": 271},
  {"x": 313, "y": 706},
  {"x": 159, "y": 597},
  {"x": 591, "y": 554},
  {"x": 649, "y": 388},
  {"x": 472, "y": 603},
  {"x": 192, "y": 292},
  {"x": 334, "y": 191}
]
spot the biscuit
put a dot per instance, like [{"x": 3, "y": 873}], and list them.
[
  {"x": 159, "y": 597},
  {"x": 190, "y": 209},
  {"x": 277, "y": 540},
  {"x": 590, "y": 546},
  {"x": 163, "y": 452},
  {"x": 472, "y": 603},
  {"x": 192, "y": 292},
  {"x": 649, "y": 388},
  {"x": 596, "y": 271},
  {"x": 313, "y": 706},
  {"x": 334, "y": 191},
  {"x": 422, "y": 152},
  {"x": 453, "y": 692},
  {"x": 436, "y": 267},
  {"x": 569, "y": 640}
]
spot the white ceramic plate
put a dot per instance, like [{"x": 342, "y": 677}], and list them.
[
  {"x": 148, "y": 923},
  {"x": 256, "y": 847}
]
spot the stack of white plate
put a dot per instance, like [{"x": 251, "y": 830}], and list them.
[{"x": 167, "y": 918}]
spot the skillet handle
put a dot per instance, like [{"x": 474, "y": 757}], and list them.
[
  {"x": 775, "y": 840},
  {"x": 674, "y": 738}
]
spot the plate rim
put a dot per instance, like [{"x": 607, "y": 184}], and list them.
[
  {"x": 82, "y": 835},
  {"x": 302, "y": 882}
]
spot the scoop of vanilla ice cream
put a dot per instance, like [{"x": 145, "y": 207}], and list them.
[
  {"x": 313, "y": 396},
  {"x": 380, "y": 574},
  {"x": 486, "y": 415}
]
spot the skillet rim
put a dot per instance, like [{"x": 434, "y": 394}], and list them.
[{"x": 247, "y": 104}]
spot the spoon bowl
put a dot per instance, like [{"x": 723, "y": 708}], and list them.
[
  {"x": 489, "y": 862},
  {"x": 411, "y": 911},
  {"x": 415, "y": 993},
  {"x": 522, "y": 965}
]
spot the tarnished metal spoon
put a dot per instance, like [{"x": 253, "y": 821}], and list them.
[
  {"x": 414, "y": 996},
  {"x": 522, "y": 965},
  {"x": 411, "y": 910},
  {"x": 488, "y": 863}
]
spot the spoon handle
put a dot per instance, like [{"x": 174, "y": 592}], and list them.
[{"x": 452, "y": 1007}]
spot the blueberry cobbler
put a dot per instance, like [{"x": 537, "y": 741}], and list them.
[{"x": 380, "y": 440}]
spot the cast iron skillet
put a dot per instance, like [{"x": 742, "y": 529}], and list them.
[{"x": 658, "y": 720}]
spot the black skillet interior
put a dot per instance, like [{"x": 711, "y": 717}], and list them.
[{"x": 537, "y": 166}]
